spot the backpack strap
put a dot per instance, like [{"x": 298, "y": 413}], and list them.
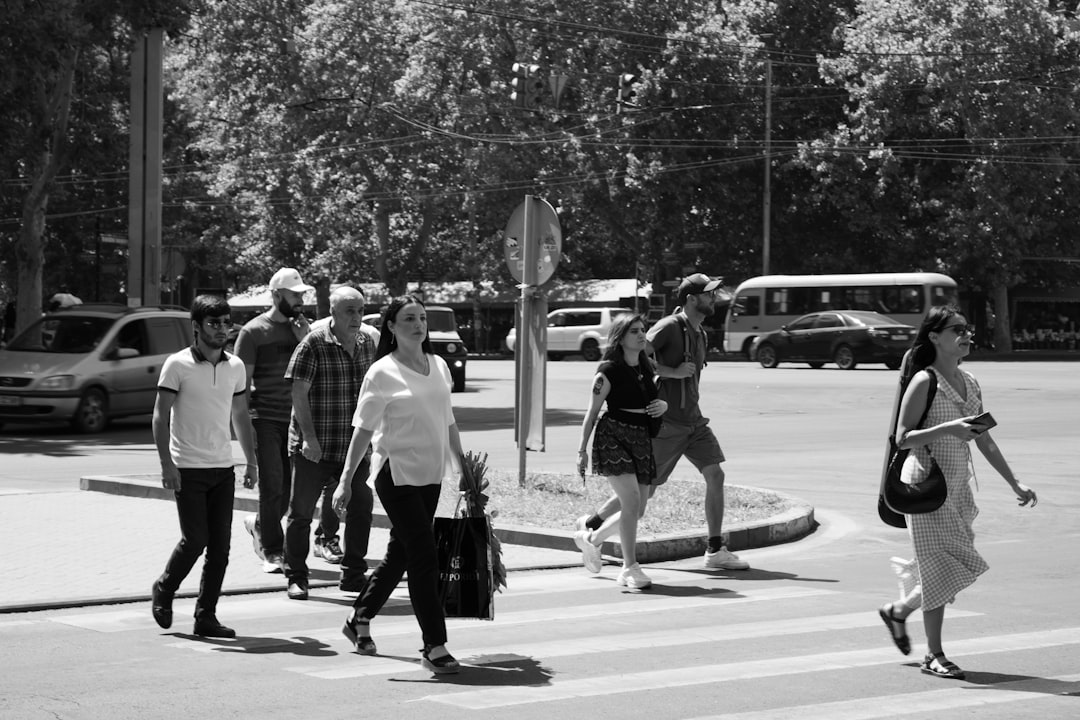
[{"x": 688, "y": 355}]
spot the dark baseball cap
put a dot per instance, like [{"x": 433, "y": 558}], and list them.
[{"x": 696, "y": 284}]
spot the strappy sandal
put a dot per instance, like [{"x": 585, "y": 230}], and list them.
[
  {"x": 442, "y": 665},
  {"x": 352, "y": 629},
  {"x": 897, "y": 631},
  {"x": 937, "y": 664}
]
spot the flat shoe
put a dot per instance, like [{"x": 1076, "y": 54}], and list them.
[
  {"x": 903, "y": 643},
  {"x": 937, "y": 664}
]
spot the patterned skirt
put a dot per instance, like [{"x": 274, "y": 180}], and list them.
[{"x": 620, "y": 448}]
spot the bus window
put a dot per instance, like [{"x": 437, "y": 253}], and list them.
[{"x": 749, "y": 305}]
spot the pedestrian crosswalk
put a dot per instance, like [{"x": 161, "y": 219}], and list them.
[{"x": 574, "y": 638}]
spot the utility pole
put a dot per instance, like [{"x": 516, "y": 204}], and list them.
[{"x": 766, "y": 205}]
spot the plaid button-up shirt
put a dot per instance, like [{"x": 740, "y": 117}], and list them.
[{"x": 335, "y": 378}]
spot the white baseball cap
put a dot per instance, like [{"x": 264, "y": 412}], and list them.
[{"x": 288, "y": 279}]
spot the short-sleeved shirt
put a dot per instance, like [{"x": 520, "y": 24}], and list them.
[
  {"x": 199, "y": 426},
  {"x": 268, "y": 346},
  {"x": 335, "y": 377},
  {"x": 410, "y": 415},
  {"x": 669, "y": 344}
]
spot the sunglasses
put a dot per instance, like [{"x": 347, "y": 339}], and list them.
[
  {"x": 960, "y": 329},
  {"x": 218, "y": 324}
]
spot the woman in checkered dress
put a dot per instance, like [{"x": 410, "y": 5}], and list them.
[{"x": 946, "y": 561}]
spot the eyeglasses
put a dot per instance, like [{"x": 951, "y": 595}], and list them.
[
  {"x": 218, "y": 324},
  {"x": 960, "y": 329}
]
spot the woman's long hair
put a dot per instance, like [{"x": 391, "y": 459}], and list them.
[
  {"x": 923, "y": 353},
  {"x": 620, "y": 326},
  {"x": 387, "y": 341}
]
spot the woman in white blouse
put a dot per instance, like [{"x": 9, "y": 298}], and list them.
[{"x": 404, "y": 411}]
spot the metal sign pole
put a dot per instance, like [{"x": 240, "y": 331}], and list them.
[{"x": 528, "y": 287}]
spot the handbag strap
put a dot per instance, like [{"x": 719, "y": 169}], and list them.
[{"x": 930, "y": 393}]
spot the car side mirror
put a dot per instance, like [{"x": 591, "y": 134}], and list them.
[
  {"x": 784, "y": 328},
  {"x": 123, "y": 353}
]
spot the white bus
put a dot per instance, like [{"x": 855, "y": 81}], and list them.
[{"x": 766, "y": 303}]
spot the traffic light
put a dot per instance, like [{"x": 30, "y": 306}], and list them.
[
  {"x": 527, "y": 86},
  {"x": 626, "y": 92}
]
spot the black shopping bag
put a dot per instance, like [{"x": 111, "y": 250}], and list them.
[{"x": 466, "y": 588}]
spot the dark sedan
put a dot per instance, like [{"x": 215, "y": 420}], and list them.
[{"x": 845, "y": 337}]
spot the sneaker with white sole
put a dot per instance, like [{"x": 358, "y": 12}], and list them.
[
  {"x": 274, "y": 563},
  {"x": 634, "y": 578},
  {"x": 723, "y": 559},
  {"x": 252, "y": 527},
  {"x": 590, "y": 554},
  {"x": 579, "y": 524}
]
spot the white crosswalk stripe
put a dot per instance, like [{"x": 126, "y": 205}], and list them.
[
  {"x": 743, "y": 670},
  {"x": 933, "y": 701}
]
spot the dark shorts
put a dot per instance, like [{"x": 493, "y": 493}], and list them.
[
  {"x": 623, "y": 449},
  {"x": 697, "y": 442}
]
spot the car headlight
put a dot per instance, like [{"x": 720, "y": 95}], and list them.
[
  {"x": 451, "y": 348},
  {"x": 57, "y": 382}
]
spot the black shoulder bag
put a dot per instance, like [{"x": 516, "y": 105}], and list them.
[{"x": 898, "y": 498}]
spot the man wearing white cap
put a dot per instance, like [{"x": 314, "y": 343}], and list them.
[
  {"x": 265, "y": 345},
  {"x": 679, "y": 346}
]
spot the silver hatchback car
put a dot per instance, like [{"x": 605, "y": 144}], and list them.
[{"x": 89, "y": 363}]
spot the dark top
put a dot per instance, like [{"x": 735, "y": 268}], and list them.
[{"x": 629, "y": 390}]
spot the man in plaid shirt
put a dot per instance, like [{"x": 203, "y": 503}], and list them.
[{"x": 326, "y": 371}]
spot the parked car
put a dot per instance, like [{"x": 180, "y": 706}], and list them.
[
  {"x": 89, "y": 363},
  {"x": 576, "y": 330},
  {"x": 445, "y": 340},
  {"x": 846, "y": 337}
]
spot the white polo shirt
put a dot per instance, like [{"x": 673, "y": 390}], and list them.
[{"x": 200, "y": 425}]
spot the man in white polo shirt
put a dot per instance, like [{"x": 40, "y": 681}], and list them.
[{"x": 200, "y": 389}]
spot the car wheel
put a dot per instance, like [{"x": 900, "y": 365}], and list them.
[
  {"x": 766, "y": 355},
  {"x": 844, "y": 357},
  {"x": 459, "y": 383},
  {"x": 590, "y": 350},
  {"x": 90, "y": 416},
  {"x": 816, "y": 365},
  {"x": 893, "y": 364}
]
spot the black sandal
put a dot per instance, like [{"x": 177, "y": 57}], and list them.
[
  {"x": 897, "y": 631},
  {"x": 442, "y": 665},
  {"x": 363, "y": 643},
  {"x": 937, "y": 664}
]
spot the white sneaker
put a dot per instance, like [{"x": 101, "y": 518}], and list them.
[
  {"x": 253, "y": 531},
  {"x": 723, "y": 559},
  {"x": 579, "y": 524},
  {"x": 590, "y": 554},
  {"x": 634, "y": 578},
  {"x": 274, "y": 564}
]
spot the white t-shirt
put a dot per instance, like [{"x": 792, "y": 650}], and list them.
[
  {"x": 410, "y": 415},
  {"x": 201, "y": 416}
]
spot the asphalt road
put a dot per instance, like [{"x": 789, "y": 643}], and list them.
[{"x": 796, "y": 636}]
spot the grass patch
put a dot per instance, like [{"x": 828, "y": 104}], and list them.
[{"x": 555, "y": 500}]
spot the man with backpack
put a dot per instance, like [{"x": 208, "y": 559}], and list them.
[{"x": 679, "y": 346}]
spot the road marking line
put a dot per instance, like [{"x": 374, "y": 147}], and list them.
[
  {"x": 931, "y": 701},
  {"x": 350, "y": 666},
  {"x": 747, "y": 670}
]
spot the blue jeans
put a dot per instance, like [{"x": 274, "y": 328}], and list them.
[
  {"x": 411, "y": 510},
  {"x": 309, "y": 481},
  {"x": 204, "y": 504},
  {"x": 275, "y": 485}
]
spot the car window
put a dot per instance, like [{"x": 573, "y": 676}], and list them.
[
  {"x": 69, "y": 334},
  {"x": 557, "y": 320},
  {"x": 132, "y": 336},
  {"x": 582, "y": 319},
  {"x": 441, "y": 321},
  {"x": 829, "y": 321},
  {"x": 801, "y": 324},
  {"x": 165, "y": 335}
]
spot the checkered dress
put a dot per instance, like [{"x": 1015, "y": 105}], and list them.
[{"x": 945, "y": 555}]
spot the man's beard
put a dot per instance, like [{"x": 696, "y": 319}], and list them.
[
  {"x": 286, "y": 309},
  {"x": 212, "y": 342},
  {"x": 708, "y": 310}
]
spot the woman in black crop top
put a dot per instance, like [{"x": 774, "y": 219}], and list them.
[{"x": 622, "y": 447}]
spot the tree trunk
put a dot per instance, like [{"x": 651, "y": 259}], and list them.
[
  {"x": 999, "y": 295},
  {"x": 30, "y": 247}
]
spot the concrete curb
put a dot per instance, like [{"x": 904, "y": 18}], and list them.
[{"x": 794, "y": 524}]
